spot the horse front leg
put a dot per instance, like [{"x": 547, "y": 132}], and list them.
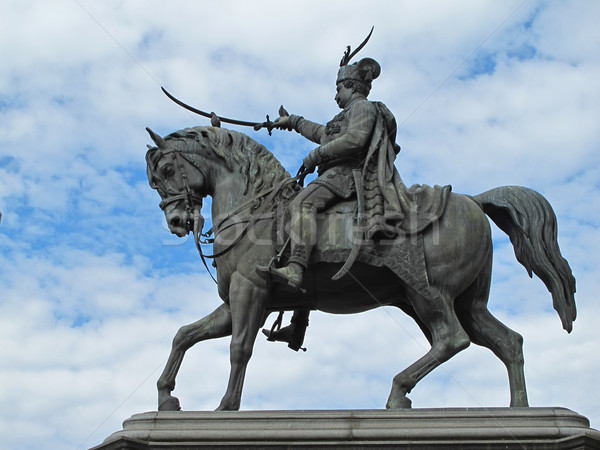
[
  {"x": 247, "y": 301},
  {"x": 217, "y": 324}
]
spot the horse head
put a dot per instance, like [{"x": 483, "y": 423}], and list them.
[
  {"x": 189, "y": 164},
  {"x": 180, "y": 183}
]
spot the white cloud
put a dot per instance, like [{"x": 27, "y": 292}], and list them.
[{"x": 92, "y": 289}]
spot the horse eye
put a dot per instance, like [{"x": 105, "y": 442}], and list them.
[{"x": 167, "y": 171}]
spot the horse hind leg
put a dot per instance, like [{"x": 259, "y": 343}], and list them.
[
  {"x": 487, "y": 331},
  {"x": 215, "y": 325},
  {"x": 447, "y": 339}
]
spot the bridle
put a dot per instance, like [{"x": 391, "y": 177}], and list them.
[
  {"x": 191, "y": 199},
  {"x": 193, "y": 202},
  {"x": 193, "y": 205}
]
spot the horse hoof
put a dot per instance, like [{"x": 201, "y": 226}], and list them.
[
  {"x": 401, "y": 403},
  {"x": 170, "y": 404},
  {"x": 227, "y": 407}
]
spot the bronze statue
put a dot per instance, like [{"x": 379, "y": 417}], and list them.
[
  {"x": 446, "y": 296},
  {"x": 354, "y": 239},
  {"x": 347, "y": 157}
]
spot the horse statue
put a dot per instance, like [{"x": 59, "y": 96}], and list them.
[{"x": 248, "y": 186}]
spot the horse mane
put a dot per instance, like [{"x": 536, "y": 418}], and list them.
[{"x": 237, "y": 151}]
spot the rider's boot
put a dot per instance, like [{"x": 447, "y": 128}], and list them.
[
  {"x": 294, "y": 333},
  {"x": 290, "y": 275},
  {"x": 303, "y": 236}
]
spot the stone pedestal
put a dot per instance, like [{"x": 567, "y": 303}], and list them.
[{"x": 457, "y": 428}]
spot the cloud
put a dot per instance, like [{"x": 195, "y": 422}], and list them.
[{"x": 93, "y": 287}]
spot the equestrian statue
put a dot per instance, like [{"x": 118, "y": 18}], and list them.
[{"x": 355, "y": 238}]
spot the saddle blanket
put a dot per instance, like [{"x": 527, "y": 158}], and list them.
[{"x": 337, "y": 233}]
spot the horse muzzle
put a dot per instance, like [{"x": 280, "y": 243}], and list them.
[{"x": 179, "y": 223}]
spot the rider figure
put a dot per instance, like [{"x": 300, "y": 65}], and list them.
[{"x": 344, "y": 145}]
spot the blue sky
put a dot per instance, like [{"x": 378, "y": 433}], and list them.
[{"x": 93, "y": 286}]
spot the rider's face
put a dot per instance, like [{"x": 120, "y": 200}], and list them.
[{"x": 343, "y": 95}]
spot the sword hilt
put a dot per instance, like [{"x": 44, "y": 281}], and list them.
[{"x": 268, "y": 125}]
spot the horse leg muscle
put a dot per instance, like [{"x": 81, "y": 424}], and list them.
[
  {"x": 217, "y": 324},
  {"x": 506, "y": 345},
  {"x": 487, "y": 331},
  {"x": 247, "y": 302},
  {"x": 447, "y": 339}
]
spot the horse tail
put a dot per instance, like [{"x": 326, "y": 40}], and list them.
[{"x": 529, "y": 220}]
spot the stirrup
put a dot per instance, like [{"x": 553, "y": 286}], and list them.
[
  {"x": 288, "y": 334},
  {"x": 275, "y": 276}
]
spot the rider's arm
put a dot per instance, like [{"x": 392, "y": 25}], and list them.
[{"x": 310, "y": 130}]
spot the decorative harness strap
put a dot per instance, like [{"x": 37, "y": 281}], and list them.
[
  {"x": 193, "y": 204},
  {"x": 250, "y": 222},
  {"x": 188, "y": 195}
]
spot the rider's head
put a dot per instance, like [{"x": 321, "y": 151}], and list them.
[{"x": 358, "y": 76}]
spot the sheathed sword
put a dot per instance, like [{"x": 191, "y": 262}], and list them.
[
  {"x": 256, "y": 125},
  {"x": 359, "y": 226}
]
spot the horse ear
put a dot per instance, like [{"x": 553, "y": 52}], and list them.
[{"x": 159, "y": 141}]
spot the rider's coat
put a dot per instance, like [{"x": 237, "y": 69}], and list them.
[{"x": 344, "y": 142}]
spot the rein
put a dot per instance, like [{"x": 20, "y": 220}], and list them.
[
  {"x": 193, "y": 204},
  {"x": 255, "y": 217},
  {"x": 270, "y": 193}
]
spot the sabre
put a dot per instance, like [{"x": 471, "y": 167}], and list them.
[{"x": 215, "y": 120}]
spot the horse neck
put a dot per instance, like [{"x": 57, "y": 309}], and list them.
[{"x": 228, "y": 193}]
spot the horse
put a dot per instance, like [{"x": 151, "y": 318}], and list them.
[{"x": 246, "y": 183}]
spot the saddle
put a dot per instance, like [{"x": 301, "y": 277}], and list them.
[{"x": 339, "y": 232}]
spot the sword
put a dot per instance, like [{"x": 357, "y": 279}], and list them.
[
  {"x": 256, "y": 125},
  {"x": 359, "y": 227}
]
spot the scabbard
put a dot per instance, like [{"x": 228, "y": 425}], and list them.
[
  {"x": 360, "y": 199},
  {"x": 359, "y": 225}
]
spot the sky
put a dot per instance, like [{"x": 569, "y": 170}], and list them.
[{"x": 93, "y": 287}]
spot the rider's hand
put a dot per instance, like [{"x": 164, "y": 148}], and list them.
[
  {"x": 311, "y": 161},
  {"x": 283, "y": 123}
]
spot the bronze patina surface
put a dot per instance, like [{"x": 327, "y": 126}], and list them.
[{"x": 354, "y": 239}]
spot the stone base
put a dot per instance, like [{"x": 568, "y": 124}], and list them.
[{"x": 456, "y": 428}]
